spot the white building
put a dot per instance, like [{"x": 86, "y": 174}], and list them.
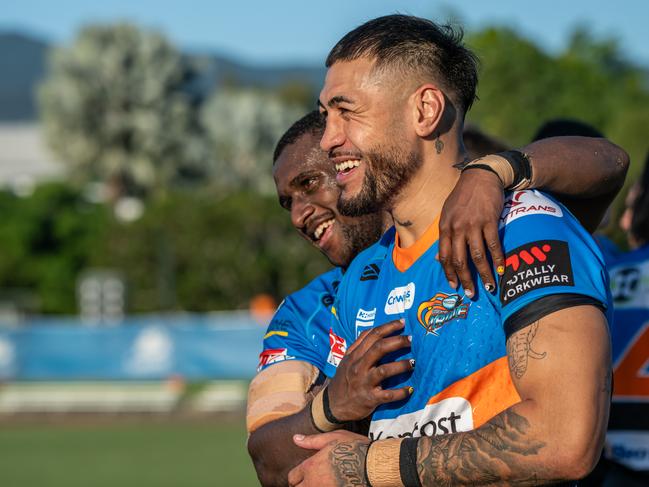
[{"x": 25, "y": 158}]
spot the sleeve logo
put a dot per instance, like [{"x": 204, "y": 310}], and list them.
[
  {"x": 337, "y": 348},
  {"x": 272, "y": 356},
  {"x": 523, "y": 203},
  {"x": 533, "y": 266},
  {"x": 364, "y": 320}
]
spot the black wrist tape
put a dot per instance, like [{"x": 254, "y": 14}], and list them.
[
  {"x": 408, "y": 463},
  {"x": 327, "y": 409},
  {"x": 521, "y": 166}
]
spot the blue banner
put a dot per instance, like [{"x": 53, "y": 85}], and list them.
[{"x": 195, "y": 347}]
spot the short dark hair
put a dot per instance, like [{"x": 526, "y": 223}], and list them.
[
  {"x": 415, "y": 44},
  {"x": 566, "y": 126},
  {"x": 640, "y": 207},
  {"x": 312, "y": 123}
]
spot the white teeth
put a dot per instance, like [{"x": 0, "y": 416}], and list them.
[
  {"x": 321, "y": 228},
  {"x": 342, "y": 166}
]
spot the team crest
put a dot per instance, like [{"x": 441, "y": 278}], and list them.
[{"x": 440, "y": 309}]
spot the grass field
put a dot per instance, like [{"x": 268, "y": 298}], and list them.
[{"x": 124, "y": 453}]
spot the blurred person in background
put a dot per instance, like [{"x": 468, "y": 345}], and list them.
[
  {"x": 628, "y": 433},
  {"x": 560, "y": 127},
  {"x": 296, "y": 346}
]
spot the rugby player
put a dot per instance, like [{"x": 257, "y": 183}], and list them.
[
  {"x": 628, "y": 434},
  {"x": 511, "y": 386},
  {"x": 296, "y": 346}
]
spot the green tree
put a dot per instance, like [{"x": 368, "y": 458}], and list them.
[
  {"x": 45, "y": 241},
  {"x": 243, "y": 127},
  {"x": 211, "y": 250},
  {"x": 114, "y": 110}
]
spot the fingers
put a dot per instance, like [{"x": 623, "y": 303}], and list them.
[
  {"x": 376, "y": 334},
  {"x": 460, "y": 264},
  {"x": 296, "y": 476},
  {"x": 479, "y": 257},
  {"x": 391, "y": 369},
  {"x": 392, "y": 395},
  {"x": 319, "y": 441},
  {"x": 492, "y": 239},
  {"x": 382, "y": 347},
  {"x": 314, "y": 442},
  {"x": 445, "y": 254}
]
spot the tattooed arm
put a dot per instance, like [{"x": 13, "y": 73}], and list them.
[{"x": 560, "y": 366}]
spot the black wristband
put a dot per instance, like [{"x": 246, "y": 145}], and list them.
[
  {"x": 327, "y": 410},
  {"x": 408, "y": 463},
  {"x": 481, "y": 166},
  {"x": 520, "y": 164}
]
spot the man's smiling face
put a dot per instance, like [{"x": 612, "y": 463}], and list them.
[
  {"x": 306, "y": 187},
  {"x": 366, "y": 136}
]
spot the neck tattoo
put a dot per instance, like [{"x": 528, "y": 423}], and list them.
[{"x": 439, "y": 145}]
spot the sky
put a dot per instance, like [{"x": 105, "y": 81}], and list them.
[{"x": 300, "y": 31}]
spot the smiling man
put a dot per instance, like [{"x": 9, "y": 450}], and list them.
[
  {"x": 296, "y": 346},
  {"x": 510, "y": 384}
]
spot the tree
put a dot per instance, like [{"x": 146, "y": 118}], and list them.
[
  {"x": 243, "y": 127},
  {"x": 115, "y": 111}
]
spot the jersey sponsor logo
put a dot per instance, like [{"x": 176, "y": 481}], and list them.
[
  {"x": 523, "y": 203},
  {"x": 272, "y": 356},
  {"x": 337, "y": 348},
  {"x": 364, "y": 320},
  {"x": 630, "y": 370},
  {"x": 624, "y": 284},
  {"x": 630, "y": 448},
  {"x": 440, "y": 309},
  {"x": 327, "y": 300},
  {"x": 279, "y": 327},
  {"x": 533, "y": 266},
  {"x": 370, "y": 272},
  {"x": 400, "y": 299},
  {"x": 452, "y": 415}
]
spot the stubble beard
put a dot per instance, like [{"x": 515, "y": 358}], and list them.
[{"x": 388, "y": 170}]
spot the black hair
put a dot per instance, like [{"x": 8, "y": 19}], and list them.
[
  {"x": 413, "y": 44},
  {"x": 566, "y": 126},
  {"x": 312, "y": 123},
  {"x": 640, "y": 208}
]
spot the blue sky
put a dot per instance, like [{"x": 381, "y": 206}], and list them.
[{"x": 303, "y": 31}]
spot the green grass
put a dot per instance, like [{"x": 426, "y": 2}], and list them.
[{"x": 125, "y": 453}]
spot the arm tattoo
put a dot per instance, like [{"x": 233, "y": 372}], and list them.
[
  {"x": 348, "y": 461},
  {"x": 519, "y": 348},
  {"x": 485, "y": 456}
]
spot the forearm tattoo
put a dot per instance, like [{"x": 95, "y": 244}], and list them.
[
  {"x": 488, "y": 455},
  {"x": 519, "y": 349},
  {"x": 348, "y": 461}
]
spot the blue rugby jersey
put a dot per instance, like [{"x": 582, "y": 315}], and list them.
[
  {"x": 628, "y": 434},
  {"x": 299, "y": 329},
  {"x": 461, "y": 378}
]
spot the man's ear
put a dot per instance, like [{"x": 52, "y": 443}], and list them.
[{"x": 429, "y": 104}]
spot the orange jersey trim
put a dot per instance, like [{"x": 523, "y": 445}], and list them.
[
  {"x": 490, "y": 391},
  {"x": 404, "y": 258}
]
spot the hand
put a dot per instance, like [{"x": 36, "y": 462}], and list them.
[
  {"x": 470, "y": 216},
  {"x": 355, "y": 391},
  {"x": 340, "y": 460}
]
